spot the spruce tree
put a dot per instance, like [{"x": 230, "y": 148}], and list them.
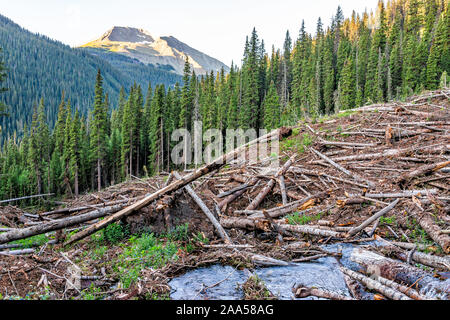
[
  {"x": 98, "y": 129},
  {"x": 156, "y": 131},
  {"x": 271, "y": 109},
  {"x": 2, "y": 89},
  {"x": 75, "y": 140},
  {"x": 347, "y": 86}
]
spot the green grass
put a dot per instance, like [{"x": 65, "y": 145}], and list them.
[
  {"x": 388, "y": 221},
  {"x": 33, "y": 241},
  {"x": 345, "y": 114},
  {"x": 91, "y": 293},
  {"x": 298, "y": 143},
  {"x": 301, "y": 219},
  {"x": 149, "y": 251},
  {"x": 112, "y": 234},
  {"x": 145, "y": 251}
]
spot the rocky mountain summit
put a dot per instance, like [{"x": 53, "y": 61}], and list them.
[{"x": 165, "y": 52}]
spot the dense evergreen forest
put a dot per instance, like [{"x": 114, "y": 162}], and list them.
[
  {"x": 400, "y": 49},
  {"x": 40, "y": 67}
]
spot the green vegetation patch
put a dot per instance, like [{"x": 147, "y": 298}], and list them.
[{"x": 301, "y": 219}]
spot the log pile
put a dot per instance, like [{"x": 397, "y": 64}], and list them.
[{"x": 378, "y": 171}]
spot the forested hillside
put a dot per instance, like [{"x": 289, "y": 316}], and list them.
[
  {"x": 38, "y": 67},
  {"x": 401, "y": 49}
]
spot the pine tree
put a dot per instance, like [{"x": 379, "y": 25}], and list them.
[
  {"x": 145, "y": 127},
  {"x": 186, "y": 99},
  {"x": 233, "y": 89},
  {"x": 378, "y": 45},
  {"x": 66, "y": 176},
  {"x": 329, "y": 77},
  {"x": 75, "y": 140},
  {"x": 2, "y": 89},
  {"x": 347, "y": 85},
  {"x": 60, "y": 125},
  {"x": 286, "y": 71},
  {"x": 98, "y": 129},
  {"x": 156, "y": 130},
  {"x": 271, "y": 108},
  {"x": 250, "y": 108},
  {"x": 127, "y": 136}
]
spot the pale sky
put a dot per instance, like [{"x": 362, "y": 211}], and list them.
[{"x": 217, "y": 28}]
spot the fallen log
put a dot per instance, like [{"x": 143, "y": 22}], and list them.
[
  {"x": 17, "y": 252},
  {"x": 356, "y": 289},
  {"x": 340, "y": 168},
  {"x": 401, "y": 288},
  {"x": 230, "y": 192},
  {"x": 265, "y": 261},
  {"x": 349, "y": 144},
  {"x": 215, "y": 165},
  {"x": 308, "y": 230},
  {"x": 403, "y": 194},
  {"x": 350, "y": 201},
  {"x": 206, "y": 211},
  {"x": 320, "y": 174},
  {"x": 241, "y": 223},
  {"x": 236, "y": 195},
  {"x": 375, "y": 285},
  {"x": 373, "y": 218},
  {"x": 77, "y": 209},
  {"x": 18, "y": 234},
  {"x": 27, "y": 197},
  {"x": 304, "y": 292},
  {"x": 434, "y": 231},
  {"x": 289, "y": 208},
  {"x": 310, "y": 258},
  {"x": 260, "y": 197},
  {"x": 399, "y": 272},
  {"x": 417, "y": 256},
  {"x": 406, "y": 178},
  {"x": 282, "y": 184},
  {"x": 393, "y": 153}
]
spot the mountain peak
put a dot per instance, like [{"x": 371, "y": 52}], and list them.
[
  {"x": 127, "y": 34},
  {"x": 168, "y": 53}
]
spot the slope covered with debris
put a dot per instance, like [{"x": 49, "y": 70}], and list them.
[{"x": 376, "y": 177}]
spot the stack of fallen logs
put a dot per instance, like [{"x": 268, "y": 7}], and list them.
[{"x": 381, "y": 161}]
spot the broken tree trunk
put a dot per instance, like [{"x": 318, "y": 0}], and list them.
[
  {"x": 56, "y": 224},
  {"x": 403, "y": 194},
  {"x": 303, "y": 292},
  {"x": 406, "y": 178},
  {"x": 217, "y": 164},
  {"x": 401, "y": 288},
  {"x": 241, "y": 223},
  {"x": 392, "y": 153},
  {"x": 356, "y": 289},
  {"x": 236, "y": 194},
  {"x": 282, "y": 184},
  {"x": 260, "y": 197},
  {"x": 301, "y": 205},
  {"x": 340, "y": 168},
  {"x": 308, "y": 230},
  {"x": 375, "y": 285},
  {"x": 27, "y": 197},
  {"x": 206, "y": 211},
  {"x": 420, "y": 257},
  {"x": 265, "y": 261},
  {"x": 72, "y": 210},
  {"x": 373, "y": 218},
  {"x": 398, "y": 271},
  {"x": 434, "y": 231}
]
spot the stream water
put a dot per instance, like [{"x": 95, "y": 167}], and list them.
[
  {"x": 220, "y": 282},
  {"x": 323, "y": 273}
]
